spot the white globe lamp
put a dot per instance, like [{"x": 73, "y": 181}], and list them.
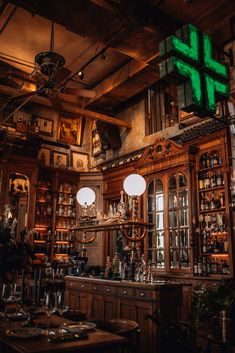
[
  {"x": 134, "y": 185},
  {"x": 85, "y": 196}
]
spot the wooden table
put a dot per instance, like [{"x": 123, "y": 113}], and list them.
[{"x": 98, "y": 341}]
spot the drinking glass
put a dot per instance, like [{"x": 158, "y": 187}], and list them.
[
  {"x": 49, "y": 307},
  {"x": 61, "y": 308}
]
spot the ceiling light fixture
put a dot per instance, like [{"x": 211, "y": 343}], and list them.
[
  {"x": 81, "y": 75},
  {"x": 104, "y": 57}
]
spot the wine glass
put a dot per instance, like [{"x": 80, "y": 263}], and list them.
[
  {"x": 7, "y": 296},
  {"x": 61, "y": 308},
  {"x": 49, "y": 307}
]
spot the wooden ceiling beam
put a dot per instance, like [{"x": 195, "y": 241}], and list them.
[
  {"x": 70, "y": 109},
  {"x": 120, "y": 76}
]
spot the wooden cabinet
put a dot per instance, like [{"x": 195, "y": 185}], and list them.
[
  {"x": 55, "y": 213},
  {"x": 187, "y": 199},
  {"x": 104, "y": 299},
  {"x": 215, "y": 246}
]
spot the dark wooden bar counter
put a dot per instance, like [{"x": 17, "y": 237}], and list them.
[
  {"x": 97, "y": 341},
  {"x": 107, "y": 299}
]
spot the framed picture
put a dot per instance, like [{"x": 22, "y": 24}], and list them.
[
  {"x": 60, "y": 159},
  {"x": 44, "y": 155},
  {"x": 80, "y": 161},
  {"x": 70, "y": 130},
  {"x": 45, "y": 126},
  {"x": 96, "y": 143}
]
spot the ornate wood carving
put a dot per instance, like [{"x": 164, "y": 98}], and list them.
[{"x": 161, "y": 149}]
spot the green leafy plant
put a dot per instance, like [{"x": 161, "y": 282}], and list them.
[
  {"x": 14, "y": 255},
  {"x": 174, "y": 335}
]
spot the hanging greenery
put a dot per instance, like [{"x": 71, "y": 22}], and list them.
[{"x": 14, "y": 255}]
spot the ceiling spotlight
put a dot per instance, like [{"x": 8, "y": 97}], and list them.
[
  {"x": 81, "y": 75},
  {"x": 104, "y": 57}
]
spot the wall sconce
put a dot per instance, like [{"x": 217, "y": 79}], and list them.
[
  {"x": 86, "y": 198},
  {"x": 134, "y": 185}
]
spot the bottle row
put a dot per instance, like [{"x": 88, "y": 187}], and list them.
[
  {"x": 42, "y": 248},
  {"x": 44, "y": 209},
  {"x": 65, "y": 223},
  {"x": 44, "y": 184},
  {"x": 208, "y": 180},
  {"x": 212, "y": 201},
  {"x": 43, "y": 236},
  {"x": 214, "y": 222},
  {"x": 66, "y": 211},
  {"x": 63, "y": 236},
  {"x": 204, "y": 266},
  {"x": 44, "y": 196},
  {"x": 210, "y": 160},
  {"x": 67, "y": 199},
  {"x": 63, "y": 248},
  {"x": 67, "y": 188},
  {"x": 214, "y": 244}
]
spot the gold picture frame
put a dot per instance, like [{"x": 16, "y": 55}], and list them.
[
  {"x": 60, "y": 159},
  {"x": 70, "y": 130},
  {"x": 80, "y": 161},
  {"x": 44, "y": 155}
]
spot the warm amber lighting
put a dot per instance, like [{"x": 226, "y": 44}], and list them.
[
  {"x": 39, "y": 241},
  {"x": 29, "y": 87},
  {"x": 40, "y": 227},
  {"x": 219, "y": 255}
]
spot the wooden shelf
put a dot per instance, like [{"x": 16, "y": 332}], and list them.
[
  {"x": 211, "y": 189},
  {"x": 214, "y": 210},
  {"x": 210, "y": 168}
]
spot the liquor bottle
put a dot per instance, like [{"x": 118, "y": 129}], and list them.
[
  {"x": 222, "y": 178},
  {"x": 195, "y": 269},
  {"x": 204, "y": 267},
  {"x": 212, "y": 205},
  {"x": 203, "y": 162},
  {"x": 222, "y": 199},
  {"x": 199, "y": 267},
  {"x": 214, "y": 180},
  {"x": 202, "y": 202},
  {"x": 225, "y": 245},
  {"x": 208, "y": 267},
  {"x": 219, "y": 180},
  {"x": 207, "y": 181},
  {"x": 204, "y": 242},
  {"x": 208, "y": 164},
  {"x": 217, "y": 202},
  {"x": 201, "y": 181},
  {"x": 216, "y": 159},
  {"x": 214, "y": 267}
]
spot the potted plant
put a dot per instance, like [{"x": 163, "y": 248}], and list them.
[
  {"x": 14, "y": 256},
  {"x": 213, "y": 311}
]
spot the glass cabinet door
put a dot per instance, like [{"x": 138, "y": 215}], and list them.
[
  {"x": 155, "y": 215},
  {"x": 178, "y": 221}
]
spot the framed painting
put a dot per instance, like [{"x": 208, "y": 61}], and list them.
[
  {"x": 60, "y": 159},
  {"x": 45, "y": 126},
  {"x": 70, "y": 130},
  {"x": 96, "y": 144},
  {"x": 80, "y": 161},
  {"x": 44, "y": 155}
]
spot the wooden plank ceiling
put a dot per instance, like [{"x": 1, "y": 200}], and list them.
[{"x": 113, "y": 42}]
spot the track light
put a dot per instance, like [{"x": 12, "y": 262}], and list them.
[
  {"x": 81, "y": 75},
  {"x": 104, "y": 57}
]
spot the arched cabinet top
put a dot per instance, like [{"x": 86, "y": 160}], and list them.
[{"x": 165, "y": 154}]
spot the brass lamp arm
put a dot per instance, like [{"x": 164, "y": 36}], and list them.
[
  {"x": 84, "y": 239},
  {"x": 132, "y": 238}
]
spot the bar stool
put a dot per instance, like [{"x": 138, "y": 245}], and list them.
[{"x": 125, "y": 328}]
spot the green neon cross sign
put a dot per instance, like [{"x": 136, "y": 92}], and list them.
[{"x": 189, "y": 62}]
